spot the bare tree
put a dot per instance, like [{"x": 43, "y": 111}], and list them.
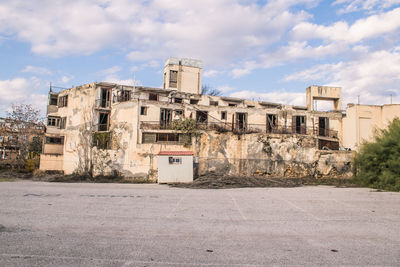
[
  {"x": 208, "y": 90},
  {"x": 23, "y": 124}
]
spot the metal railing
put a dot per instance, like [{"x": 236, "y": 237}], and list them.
[
  {"x": 246, "y": 128},
  {"x": 101, "y": 127},
  {"x": 103, "y": 103}
]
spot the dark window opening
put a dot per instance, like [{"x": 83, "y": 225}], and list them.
[
  {"x": 143, "y": 110},
  {"x": 241, "y": 121},
  {"x": 232, "y": 105},
  {"x": 63, "y": 101},
  {"x": 123, "y": 96},
  {"x": 201, "y": 116},
  {"x": 105, "y": 98},
  {"x": 178, "y": 100},
  {"x": 53, "y": 121},
  {"x": 328, "y": 145},
  {"x": 194, "y": 101},
  {"x": 299, "y": 124},
  {"x": 103, "y": 122},
  {"x": 271, "y": 123},
  {"x": 213, "y": 103},
  {"x": 165, "y": 117},
  {"x": 223, "y": 115},
  {"x": 55, "y": 140},
  {"x": 323, "y": 126},
  {"x": 63, "y": 123},
  {"x": 251, "y": 106},
  {"x": 173, "y": 138},
  {"x": 53, "y": 100},
  {"x": 153, "y": 97},
  {"x": 179, "y": 112},
  {"x": 173, "y": 78}
]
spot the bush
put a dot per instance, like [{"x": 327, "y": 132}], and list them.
[{"x": 377, "y": 164}]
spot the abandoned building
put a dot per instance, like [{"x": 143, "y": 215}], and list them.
[
  {"x": 11, "y": 138},
  {"x": 106, "y": 128}
]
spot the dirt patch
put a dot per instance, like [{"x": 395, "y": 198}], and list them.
[{"x": 218, "y": 182}]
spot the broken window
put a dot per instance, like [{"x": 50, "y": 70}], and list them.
[
  {"x": 103, "y": 122},
  {"x": 323, "y": 126},
  {"x": 63, "y": 101},
  {"x": 53, "y": 121},
  {"x": 165, "y": 117},
  {"x": 241, "y": 121},
  {"x": 53, "y": 100},
  {"x": 213, "y": 103},
  {"x": 153, "y": 97},
  {"x": 124, "y": 95},
  {"x": 299, "y": 124},
  {"x": 165, "y": 138},
  {"x": 143, "y": 110},
  {"x": 105, "y": 97},
  {"x": 63, "y": 122},
  {"x": 201, "y": 116},
  {"x": 173, "y": 78},
  {"x": 177, "y": 100},
  {"x": 194, "y": 101},
  {"x": 179, "y": 112},
  {"x": 223, "y": 115},
  {"x": 54, "y": 140},
  {"x": 271, "y": 123}
]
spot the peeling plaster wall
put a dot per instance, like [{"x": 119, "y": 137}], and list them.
[{"x": 270, "y": 156}]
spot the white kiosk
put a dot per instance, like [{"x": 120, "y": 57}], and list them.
[{"x": 175, "y": 167}]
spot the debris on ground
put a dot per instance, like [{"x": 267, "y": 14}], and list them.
[{"x": 212, "y": 180}]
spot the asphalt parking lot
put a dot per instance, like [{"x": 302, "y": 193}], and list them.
[{"x": 58, "y": 224}]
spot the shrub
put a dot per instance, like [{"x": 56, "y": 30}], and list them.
[{"x": 377, "y": 164}]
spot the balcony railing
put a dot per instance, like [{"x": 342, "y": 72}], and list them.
[
  {"x": 101, "y": 127},
  {"x": 249, "y": 128},
  {"x": 103, "y": 103}
]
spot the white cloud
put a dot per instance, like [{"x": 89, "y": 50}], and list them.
[
  {"x": 21, "y": 90},
  {"x": 66, "y": 78},
  {"x": 111, "y": 70},
  {"x": 36, "y": 70},
  {"x": 282, "y": 96},
  {"x": 215, "y": 31},
  {"x": 372, "y": 76},
  {"x": 364, "y": 5},
  {"x": 370, "y": 27},
  {"x": 225, "y": 88},
  {"x": 211, "y": 73}
]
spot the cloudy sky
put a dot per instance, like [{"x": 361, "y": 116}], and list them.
[{"x": 255, "y": 49}]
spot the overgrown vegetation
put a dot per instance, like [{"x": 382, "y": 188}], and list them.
[
  {"x": 187, "y": 126},
  {"x": 208, "y": 90},
  {"x": 377, "y": 164}
]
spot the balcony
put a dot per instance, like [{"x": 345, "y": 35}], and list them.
[
  {"x": 245, "y": 129},
  {"x": 102, "y": 104}
]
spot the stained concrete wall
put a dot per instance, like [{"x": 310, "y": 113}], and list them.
[
  {"x": 361, "y": 122},
  {"x": 270, "y": 156}
]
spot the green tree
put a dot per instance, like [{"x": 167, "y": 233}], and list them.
[{"x": 377, "y": 164}]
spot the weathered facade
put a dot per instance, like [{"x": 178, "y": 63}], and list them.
[{"x": 105, "y": 128}]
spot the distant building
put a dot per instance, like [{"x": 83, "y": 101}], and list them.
[
  {"x": 106, "y": 127},
  {"x": 11, "y": 138}
]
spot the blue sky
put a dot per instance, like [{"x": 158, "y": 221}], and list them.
[{"x": 269, "y": 50}]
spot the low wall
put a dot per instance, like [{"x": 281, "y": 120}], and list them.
[
  {"x": 51, "y": 162},
  {"x": 270, "y": 156}
]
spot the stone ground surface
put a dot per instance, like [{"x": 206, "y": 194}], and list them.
[{"x": 58, "y": 224}]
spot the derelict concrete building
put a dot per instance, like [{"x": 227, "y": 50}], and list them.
[{"x": 105, "y": 128}]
